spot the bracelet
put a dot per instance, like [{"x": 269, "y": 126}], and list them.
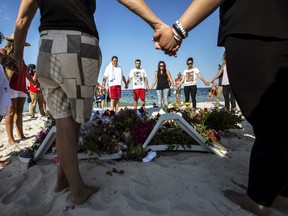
[
  {"x": 176, "y": 36},
  {"x": 180, "y": 29},
  {"x": 184, "y": 32},
  {"x": 177, "y": 29}
]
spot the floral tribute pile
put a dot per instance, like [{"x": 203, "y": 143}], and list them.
[{"x": 108, "y": 132}]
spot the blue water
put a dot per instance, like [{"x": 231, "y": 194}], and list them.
[{"x": 151, "y": 97}]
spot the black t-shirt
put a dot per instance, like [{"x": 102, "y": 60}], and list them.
[
  {"x": 68, "y": 15},
  {"x": 261, "y": 18}
]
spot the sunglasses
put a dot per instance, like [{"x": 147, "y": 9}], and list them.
[{"x": 189, "y": 63}]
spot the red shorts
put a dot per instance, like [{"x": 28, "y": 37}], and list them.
[
  {"x": 139, "y": 93},
  {"x": 115, "y": 92}
]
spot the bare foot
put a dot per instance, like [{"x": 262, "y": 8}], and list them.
[
  {"x": 61, "y": 184},
  {"x": 12, "y": 142},
  {"x": 280, "y": 203},
  {"x": 244, "y": 201},
  {"x": 84, "y": 195},
  {"x": 3, "y": 164}
]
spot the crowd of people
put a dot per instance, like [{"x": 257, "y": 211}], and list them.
[
  {"x": 256, "y": 54},
  {"x": 162, "y": 79}
]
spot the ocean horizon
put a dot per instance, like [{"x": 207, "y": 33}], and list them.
[{"x": 151, "y": 97}]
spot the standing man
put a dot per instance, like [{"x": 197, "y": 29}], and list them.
[
  {"x": 114, "y": 74},
  {"x": 68, "y": 52},
  {"x": 178, "y": 88},
  {"x": 35, "y": 93},
  {"x": 219, "y": 90},
  {"x": 139, "y": 77}
]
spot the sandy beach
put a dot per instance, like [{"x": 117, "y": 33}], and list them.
[{"x": 172, "y": 184}]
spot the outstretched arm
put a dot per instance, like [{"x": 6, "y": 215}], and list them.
[
  {"x": 219, "y": 72},
  {"x": 197, "y": 11},
  {"x": 141, "y": 9},
  {"x": 27, "y": 11},
  {"x": 154, "y": 81},
  {"x": 202, "y": 79}
]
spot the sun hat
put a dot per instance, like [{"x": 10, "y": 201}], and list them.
[{"x": 11, "y": 39}]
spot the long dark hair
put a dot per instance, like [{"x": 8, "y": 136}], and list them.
[{"x": 164, "y": 69}]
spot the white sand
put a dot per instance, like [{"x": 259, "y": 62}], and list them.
[{"x": 174, "y": 184}]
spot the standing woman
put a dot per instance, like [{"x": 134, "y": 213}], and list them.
[
  {"x": 162, "y": 77},
  {"x": 18, "y": 91},
  {"x": 189, "y": 80},
  {"x": 227, "y": 91}
]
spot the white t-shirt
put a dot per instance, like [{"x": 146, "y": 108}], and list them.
[
  {"x": 114, "y": 75},
  {"x": 225, "y": 80},
  {"x": 5, "y": 99},
  {"x": 138, "y": 76},
  {"x": 190, "y": 76}
]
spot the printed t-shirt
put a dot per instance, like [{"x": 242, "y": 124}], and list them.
[
  {"x": 190, "y": 76},
  {"x": 138, "y": 76}
]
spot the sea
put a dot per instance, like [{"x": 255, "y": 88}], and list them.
[{"x": 151, "y": 98}]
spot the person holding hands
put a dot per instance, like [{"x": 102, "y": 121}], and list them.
[
  {"x": 255, "y": 37},
  {"x": 139, "y": 77},
  {"x": 162, "y": 78}
]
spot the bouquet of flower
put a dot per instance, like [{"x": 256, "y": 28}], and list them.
[{"x": 109, "y": 132}]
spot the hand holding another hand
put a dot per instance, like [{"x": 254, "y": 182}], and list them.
[{"x": 164, "y": 40}]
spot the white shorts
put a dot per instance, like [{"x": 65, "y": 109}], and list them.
[{"x": 17, "y": 94}]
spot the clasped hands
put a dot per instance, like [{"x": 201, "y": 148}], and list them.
[{"x": 164, "y": 40}]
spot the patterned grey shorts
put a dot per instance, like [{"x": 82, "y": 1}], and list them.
[{"x": 68, "y": 65}]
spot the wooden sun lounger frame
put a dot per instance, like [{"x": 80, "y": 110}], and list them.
[{"x": 202, "y": 147}]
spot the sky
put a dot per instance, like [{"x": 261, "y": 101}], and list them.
[{"x": 124, "y": 34}]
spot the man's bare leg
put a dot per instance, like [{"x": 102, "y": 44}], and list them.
[
  {"x": 61, "y": 182},
  {"x": 112, "y": 104},
  {"x": 245, "y": 202},
  {"x": 66, "y": 145},
  {"x": 143, "y": 104},
  {"x": 116, "y": 104},
  {"x": 135, "y": 104}
]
